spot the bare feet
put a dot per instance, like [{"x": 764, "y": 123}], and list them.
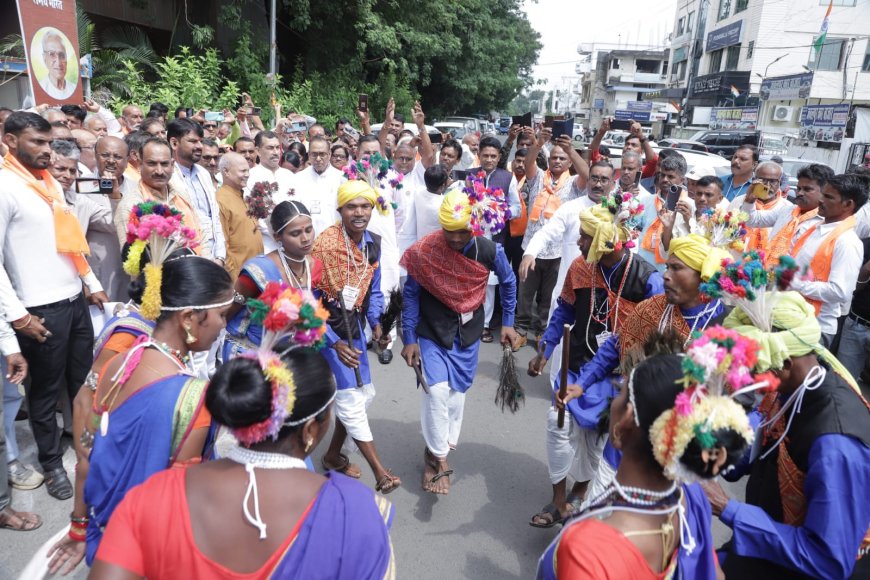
[{"x": 436, "y": 474}]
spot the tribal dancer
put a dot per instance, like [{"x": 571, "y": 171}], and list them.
[
  {"x": 601, "y": 291},
  {"x": 351, "y": 287},
  {"x": 443, "y": 318},
  {"x": 806, "y": 512}
]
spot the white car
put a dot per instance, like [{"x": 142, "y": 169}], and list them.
[
  {"x": 719, "y": 164},
  {"x": 376, "y": 128},
  {"x": 456, "y": 130}
]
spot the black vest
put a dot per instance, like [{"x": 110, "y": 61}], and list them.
[
  {"x": 440, "y": 324},
  {"x": 583, "y": 343},
  {"x": 498, "y": 179},
  {"x": 833, "y": 408},
  {"x": 356, "y": 315}
]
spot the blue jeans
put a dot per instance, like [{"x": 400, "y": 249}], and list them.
[
  {"x": 854, "y": 346},
  {"x": 12, "y": 399}
]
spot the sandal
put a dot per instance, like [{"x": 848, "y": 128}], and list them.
[
  {"x": 432, "y": 462},
  {"x": 388, "y": 483},
  {"x": 19, "y": 521},
  {"x": 345, "y": 467},
  {"x": 486, "y": 336},
  {"x": 550, "y": 514}
]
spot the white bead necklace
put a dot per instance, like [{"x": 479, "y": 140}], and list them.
[{"x": 305, "y": 282}]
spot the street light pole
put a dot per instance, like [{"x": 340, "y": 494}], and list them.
[{"x": 763, "y": 109}]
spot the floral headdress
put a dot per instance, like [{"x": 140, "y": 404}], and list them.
[
  {"x": 627, "y": 212},
  {"x": 751, "y": 286},
  {"x": 489, "y": 207},
  {"x": 287, "y": 314},
  {"x": 379, "y": 173},
  {"x": 717, "y": 367},
  {"x": 160, "y": 228},
  {"x": 724, "y": 229}
]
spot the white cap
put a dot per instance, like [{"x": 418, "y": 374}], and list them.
[{"x": 699, "y": 171}]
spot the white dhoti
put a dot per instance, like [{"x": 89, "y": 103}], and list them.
[
  {"x": 350, "y": 408},
  {"x": 572, "y": 450},
  {"x": 441, "y": 418},
  {"x": 602, "y": 480}
]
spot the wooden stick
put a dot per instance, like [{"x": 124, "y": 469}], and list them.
[
  {"x": 349, "y": 331},
  {"x": 563, "y": 374}
]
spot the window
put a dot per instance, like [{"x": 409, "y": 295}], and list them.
[
  {"x": 681, "y": 26},
  {"x": 689, "y": 21},
  {"x": 838, "y": 2},
  {"x": 866, "y": 66},
  {"x": 614, "y": 64},
  {"x": 724, "y": 9},
  {"x": 681, "y": 70},
  {"x": 716, "y": 61},
  {"x": 749, "y": 49},
  {"x": 732, "y": 57},
  {"x": 831, "y": 55},
  {"x": 740, "y": 6}
]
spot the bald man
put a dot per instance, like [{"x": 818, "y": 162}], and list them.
[
  {"x": 96, "y": 125},
  {"x": 244, "y": 240},
  {"x": 86, "y": 142}
]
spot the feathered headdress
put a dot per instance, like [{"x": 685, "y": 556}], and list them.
[
  {"x": 379, "y": 173},
  {"x": 717, "y": 366},
  {"x": 488, "y": 207},
  {"x": 724, "y": 229},
  {"x": 287, "y": 314},
  {"x": 627, "y": 211},
  {"x": 160, "y": 228}
]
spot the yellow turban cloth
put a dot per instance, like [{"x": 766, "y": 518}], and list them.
[
  {"x": 597, "y": 222},
  {"x": 696, "y": 252},
  {"x": 455, "y": 211},
  {"x": 350, "y": 190},
  {"x": 796, "y": 333}
]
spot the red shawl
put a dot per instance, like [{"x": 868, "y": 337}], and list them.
[{"x": 456, "y": 280}]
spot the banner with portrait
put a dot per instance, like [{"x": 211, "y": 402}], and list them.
[{"x": 51, "y": 45}]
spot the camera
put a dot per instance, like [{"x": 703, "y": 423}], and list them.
[{"x": 106, "y": 185}]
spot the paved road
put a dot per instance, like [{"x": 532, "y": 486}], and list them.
[{"x": 478, "y": 531}]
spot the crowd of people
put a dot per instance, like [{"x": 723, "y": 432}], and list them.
[{"x": 197, "y": 299}]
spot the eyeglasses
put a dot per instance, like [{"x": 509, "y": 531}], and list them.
[
  {"x": 210, "y": 157},
  {"x": 771, "y": 182},
  {"x": 209, "y": 126},
  {"x": 598, "y": 179},
  {"x": 339, "y": 156},
  {"x": 54, "y": 55}
]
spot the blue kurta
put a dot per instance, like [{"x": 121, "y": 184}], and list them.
[{"x": 458, "y": 365}]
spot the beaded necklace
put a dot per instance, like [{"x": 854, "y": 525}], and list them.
[
  {"x": 305, "y": 282},
  {"x": 604, "y": 320}
]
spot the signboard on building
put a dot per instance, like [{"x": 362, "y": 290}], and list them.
[
  {"x": 734, "y": 118},
  {"x": 717, "y": 87},
  {"x": 725, "y": 36},
  {"x": 640, "y": 106},
  {"x": 786, "y": 88},
  {"x": 824, "y": 122},
  {"x": 51, "y": 45},
  {"x": 681, "y": 54},
  {"x": 598, "y": 104},
  {"x": 626, "y": 115}
]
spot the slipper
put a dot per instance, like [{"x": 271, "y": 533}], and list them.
[
  {"x": 548, "y": 511},
  {"x": 486, "y": 336},
  {"x": 27, "y": 521},
  {"x": 345, "y": 467},
  {"x": 388, "y": 483}
]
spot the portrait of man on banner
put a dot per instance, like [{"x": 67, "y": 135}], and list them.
[{"x": 55, "y": 63}]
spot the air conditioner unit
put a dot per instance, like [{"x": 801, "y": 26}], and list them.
[{"x": 782, "y": 114}]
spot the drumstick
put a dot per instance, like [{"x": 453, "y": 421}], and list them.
[{"x": 563, "y": 375}]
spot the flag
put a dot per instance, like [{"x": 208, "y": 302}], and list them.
[
  {"x": 735, "y": 91},
  {"x": 676, "y": 106},
  {"x": 823, "y": 31}
]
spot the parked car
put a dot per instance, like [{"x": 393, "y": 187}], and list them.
[
  {"x": 456, "y": 130},
  {"x": 376, "y": 128},
  {"x": 504, "y": 125},
  {"x": 791, "y": 166},
  {"x": 725, "y": 143},
  {"x": 472, "y": 123},
  {"x": 720, "y": 165},
  {"x": 683, "y": 144}
]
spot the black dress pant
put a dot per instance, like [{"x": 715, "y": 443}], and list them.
[{"x": 57, "y": 366}]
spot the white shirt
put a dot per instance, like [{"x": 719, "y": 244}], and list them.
[
  {"x": 845, "y": 264},
  {"x": 319, "y": 193},
  {"x": 775, "y": 218},
  {"x": 56, "y": 93},
  {"x": 286, "y": 181},
  {"x": 35, "y": 273},
  {"x": 406, "y": 218},
  {"x": 862, "y": 222},
  {"x": 8, "y": 342}
]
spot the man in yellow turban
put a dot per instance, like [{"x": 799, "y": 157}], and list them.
[
  {"x": 806, "y": 512},
  {"x": 443, "y": 320},
  {"x": 601, "y": 291},
  {"x": 351, "y": 287}
]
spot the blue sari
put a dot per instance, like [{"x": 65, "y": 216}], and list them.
[
  {"x": 146, "y": 432},
  {"x": 700, "y": 564},
  {"x": 344, "y": 537},
  {"x": 241, "y": 334}
]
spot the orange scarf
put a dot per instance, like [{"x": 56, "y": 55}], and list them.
[
  {"x": 548, "y": 200},
  {"x": 653, "y": 234},
  {"x": 821, "y": 263},
  {"x": 69, "y": 238},
  {"x": 757, "y": 238},
  {"x": 781, "y": 242},
  {"x": 179, "y": 202},
  {"x": 518, "y": 224}
]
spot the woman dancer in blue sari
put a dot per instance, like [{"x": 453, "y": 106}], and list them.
[
  {"x": 293, "y": 524},
  {"x": 151, "y": 405}
]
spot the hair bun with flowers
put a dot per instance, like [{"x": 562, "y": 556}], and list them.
[
  {"x": 627, "y": 211},
  {"x": 291, "y": 317},
  {"x": 688, "y": 440},
  {"x": 724, "y": 228},
  {"x": 379, "y": 173},
  {"x": 160, "y": 228},
  {"x": 488, "y": 207}
]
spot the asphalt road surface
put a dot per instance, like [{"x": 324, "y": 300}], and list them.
[{"x": 480, "y": 530}]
